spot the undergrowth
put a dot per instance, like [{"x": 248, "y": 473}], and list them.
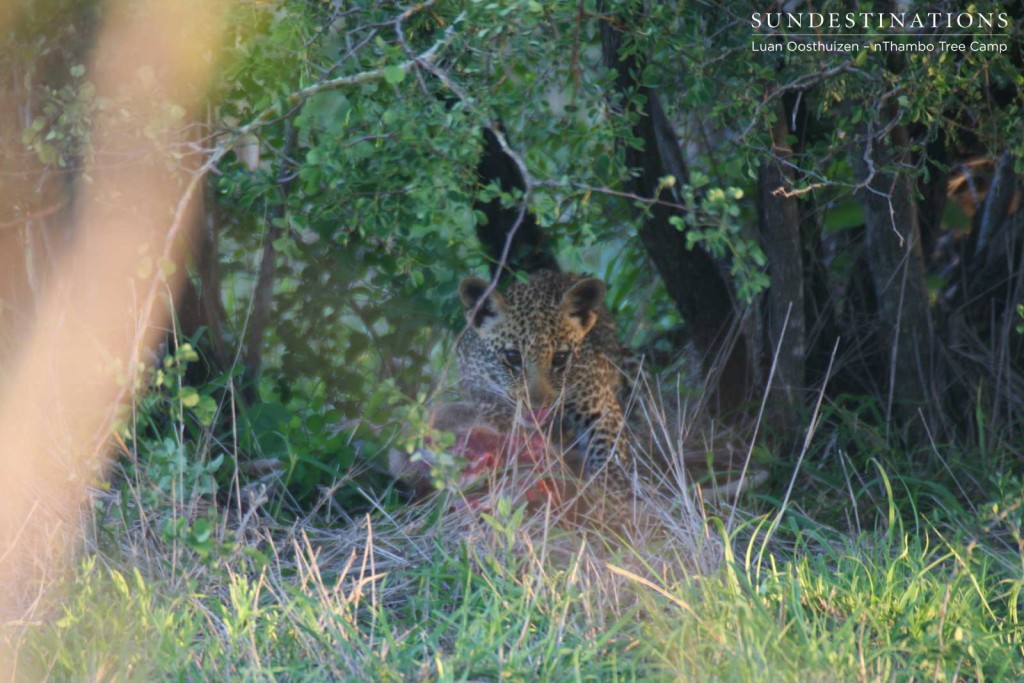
[
  {"x": 866, "y": 563},
  {"x": 421, "y": 596}
]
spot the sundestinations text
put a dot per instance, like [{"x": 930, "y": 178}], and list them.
[{"x": 879, "y": 20}]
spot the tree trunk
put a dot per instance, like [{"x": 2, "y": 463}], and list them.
[
  {"x": 529, "y": 250},
  {"x": 199, "y": 306},
  {"x": 263, "y": 296},
  {"x": 893, "y": 244},
  {"x": 779, "y": 219},
  {"x": 933, "y": 191},
  {"x": 691, "y": 276}
]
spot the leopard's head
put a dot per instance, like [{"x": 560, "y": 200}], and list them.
[{"x": 524, "y": 345}]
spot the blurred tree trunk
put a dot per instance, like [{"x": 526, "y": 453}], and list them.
[
  {"x": 691, "y": 276},
  {"x": 14, "y": 287}
]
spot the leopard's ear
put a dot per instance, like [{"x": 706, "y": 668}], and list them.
[
  {"x": 582, "y": 303},
  {"x": 480, "y": 315}
]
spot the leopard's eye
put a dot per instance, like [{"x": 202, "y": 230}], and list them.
[
  {"x": 559, "y": 360},
  {"x": 513, "y": 358}
]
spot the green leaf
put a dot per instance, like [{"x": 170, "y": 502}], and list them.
[
  {"x": 201, "y": 530},
  {"x": 205, "y": 410},
  {"x": 187, "y": 353},
  {"x": 189, "y": 397},
  {"x": 394, "y": 74}
]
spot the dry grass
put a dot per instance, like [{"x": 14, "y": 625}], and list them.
[{"x": 440, "y": 591}]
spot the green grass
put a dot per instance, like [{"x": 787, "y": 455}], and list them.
[
  {"x": 875, "y": 565},
  {"x": 428, "y": 597},
  {"x": 880, "y": 609}
]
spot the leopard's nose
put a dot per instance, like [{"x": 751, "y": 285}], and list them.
[{"x": 540, "y": 394}]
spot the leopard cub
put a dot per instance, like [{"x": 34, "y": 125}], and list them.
[{"x": 547, "y": 347}]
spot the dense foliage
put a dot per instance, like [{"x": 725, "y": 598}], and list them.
[{"x": 865, "y": 196}]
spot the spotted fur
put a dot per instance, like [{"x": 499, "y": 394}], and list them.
[{"x": 547, "y": 345}]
